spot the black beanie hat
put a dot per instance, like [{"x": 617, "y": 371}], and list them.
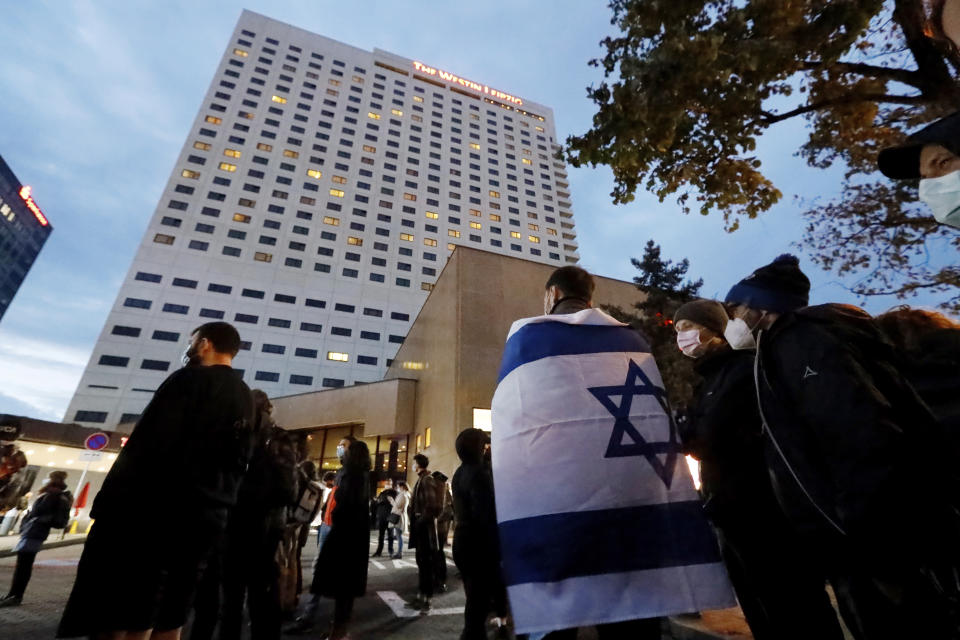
[
  {"x": 779, "y": 287},
  {"x": 706, "y": 313}
]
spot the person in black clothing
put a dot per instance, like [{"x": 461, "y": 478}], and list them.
[
  {"x": 781, "y": 596},
  {"x": 859, "y": 465},
  {"x": 476, "y": 545},
  {"x": 444, "y": 522},
  {"x": 343, "y": 555},
  {"x": 425, "y": 505},
  {"x": 384, "y": 506},
  {"x": 50, "y": 511},
  {"x": 186, "y": 455}
]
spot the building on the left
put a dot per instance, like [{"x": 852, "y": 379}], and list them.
[{"x": 23, "y": 231}]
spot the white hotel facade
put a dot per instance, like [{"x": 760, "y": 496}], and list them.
[{"x": 315, "y": 201}]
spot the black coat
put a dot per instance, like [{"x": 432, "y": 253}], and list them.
[
  {"x": 933, "y": 368},
  {"x": 856, "y": 457},
  {"x": 344, "y": 553},
  {"x": 476, "y": 545},
  {"x": 385, "y": 506},
  {"x": 50, "y": 511},
  {"x": 723, "y": 431}
]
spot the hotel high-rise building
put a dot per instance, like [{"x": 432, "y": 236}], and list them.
[
  {"x": 315, "y": 201},
  {"x": 23, "y": 231}
]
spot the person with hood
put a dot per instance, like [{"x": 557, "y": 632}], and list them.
[
  {"x": 398, "y": 516},
  {"x": 476, "y": 547},
  {"x": 343, "y": 555},
  {"x": 859, "y": 464},
  {"x": 781, "y": 598},
  {"x": 50, "y": 511},
  {"x": 444, "y": 522}
]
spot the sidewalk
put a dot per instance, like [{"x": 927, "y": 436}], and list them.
[{"x": 8, "y": 542}]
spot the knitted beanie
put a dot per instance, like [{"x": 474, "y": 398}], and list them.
[
  {"x": 706, "y": 313},
  {"x": 778, "y": 287}
]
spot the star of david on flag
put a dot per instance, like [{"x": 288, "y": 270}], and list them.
[{"x": 638, "y": 383}]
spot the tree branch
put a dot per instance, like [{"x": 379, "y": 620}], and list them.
[
  {"x": 912, "y": 78},
  {"x": 772, "y": 118}
]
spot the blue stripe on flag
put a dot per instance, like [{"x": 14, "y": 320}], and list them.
[
  {"x": 544, "y": 339},
  {"x": 584, "y": 543}
]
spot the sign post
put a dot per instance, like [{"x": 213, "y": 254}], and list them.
[{"x": 94, "y": 443}]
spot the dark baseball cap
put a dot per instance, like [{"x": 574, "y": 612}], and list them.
[{"x": 903, "y": 162}]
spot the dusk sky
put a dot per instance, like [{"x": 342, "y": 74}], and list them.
[{"x": 99, "y": 97}]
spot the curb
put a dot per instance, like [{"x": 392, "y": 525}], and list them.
[
  {"x": 692, "y": 628},
  {"x": 48, "y": 545}
]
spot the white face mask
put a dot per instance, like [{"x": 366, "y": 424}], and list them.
[
  {"x": 942, "y": 195},
  {"x": 739, "y": 335},
  {"x": 688, "y": 341}
]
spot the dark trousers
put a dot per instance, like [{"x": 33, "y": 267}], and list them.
[
  {"x": 782, "y": 596},
  {"x": 342, "y": 612},
  {"x": 485, "y": 592},
  {"x": 250, "y": 572},
  {"x": 206, "y": 605},
  {"x": 385, "y": 528},
  {"x": 22, "y": 572},
  {"x": 426, "y": 558},
  {"x": 646, "y": 629},
  {"x": 443, "y": 531}
]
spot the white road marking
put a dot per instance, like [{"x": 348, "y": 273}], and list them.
[
  {"x": 399, "y": 564},
  {"x": 377, "y": 565},
  {"x": 399, "y": 608}
]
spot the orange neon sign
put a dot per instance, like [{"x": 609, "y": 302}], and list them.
[
  {"x": 463, "y": 82},
  {"x": 27, "y": 198}
]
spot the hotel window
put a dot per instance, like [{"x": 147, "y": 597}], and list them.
[
  {"x": 474, "y": 145},
  {"x": 226, "y": 166},
  {"x": 426, "y": 436},
  {"x": 417, "y": 99},
  {"x": 430, "y": 242},
  {"x": 406, "y": 237},
  {"x": 533, "y": 239},
  {"x": 432, "y": 215},
  {"x": 231, "y": 153},
  {"x": 331, "y": 220},
  {"x": 338, "y": 356},
  {"x": 419, "y": 441},
  {"x": 336, "y": 192},
  {"x": 453, "y": 233},
  {"x": 495, "y": 217},
  {"x": 410, "y": 196},
  {"x": 515, "y": 234},
  {"x": 290, "y": 153},
  {"x": 239, "y": 217},
  {"x": 332, "y": 81},
  {"x": 240, "y": 52},
  {"x": 193, "y": 175},
  {"x": 163, "y": 238},
  {"x": 203, "y": 146},
  {"x": 475, "y": 213},
  {"x": 451, "y": 246},
  {"x": 260, "y": 256},
  {"x": 533, "y": 227},
  {"x": 494, "y": 194},
  {"x": 525, "y": 161},
  {"x": 426, "y": 286},
  {"x": 263, "y": 146},
  {"x": 213, "y": 119},
  {"x": 396, "y": 112},
  {"x": 372, "y": 115},
  {"x": 476, "y": 225},
  {"x": 339, "y": 179},
  {"x": 279, "y": 99},
  {"x": 314, "y": 173},
  {"x": 369, "y": 149},
  {"x": 355, "y": 241}
]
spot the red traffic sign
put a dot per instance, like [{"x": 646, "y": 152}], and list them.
[{"x": 96, "y": 441}]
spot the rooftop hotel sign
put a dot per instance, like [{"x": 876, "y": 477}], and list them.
[{"x": 463, "y": 82}]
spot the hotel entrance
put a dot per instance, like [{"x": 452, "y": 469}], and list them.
[{"x": 388, "y": 454}]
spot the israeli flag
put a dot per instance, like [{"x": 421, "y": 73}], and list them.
[{"x": 598, "y": 516}]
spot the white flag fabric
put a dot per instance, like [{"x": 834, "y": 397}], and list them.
[{"x": 599, "y": 520}]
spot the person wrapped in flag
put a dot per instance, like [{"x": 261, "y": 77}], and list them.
[{"x": 580, "y": 396}]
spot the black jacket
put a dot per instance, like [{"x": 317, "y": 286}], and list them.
[
  {"x": 385, "y": 506},
  {"x": 856, "y": 457},
  {"x": 475, "y": 541},
  {"x": 344, "y": 553},
  {"x": 50, "y": 511},
  {"x": 188, "y": 451},
  {"x": 723, "y": 431},
  {"x": 269, "y": 486},
  {"x": 933, "y": 368}
]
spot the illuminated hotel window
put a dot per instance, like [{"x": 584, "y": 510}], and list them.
[
  {"x": 476, "y": 225},
  {"x": 417, "y": 99},
  {"x": 552, "y": 232},
  {"x": 416, "y": 118},
  {"x": 495, "y": 217},
  {"x": 279, "y": 99},
  {"x": 426, "y": 436},
  {"x": 515, "y": 234},
  {"x": 339, "y": 179},
  {"x": 232, "y": 153},
  {"x": 332, "y": 92},
  {"x": 314, "y": 173},
  {"x": 407, "y": 237},
  {"x": 240, "y": 52},
  {"x": 533, "y": 227},
  {"x": 419, "y": 441},
  {"x": 290, "y": 153},
  {"x": 526, "y": 161},
  {"x": 426, "y": 286},
  {"x": 451, "y": 246},
  {"x": 204, "y": 146},
  {"x": 410, "y": 196},
  {"x": 163, "y": 238},
  {"x": 193, "y": 175},
  {"x": 213, "y": 119},
  {"x": 338, "y": 356},
  {"x": 369, "y": 149},
  {"x": 334, "y": 82},
  {"x": 336, "y": 192},
  {"x": 396, "y": 112},
  {"x": 263, "y": 146},
  {"x": 239, "y": 217},
  {"x": 494, "y": 194},
  {"x": 475, "y": 212},
  {"x": 226, "y": 166},
  {"x": 355, "y": 241},
  {"x": 432, "y": 215},
  {"x": 371, "y": 114},
  {"x": 260, "y": 256},
  {"x": 539, "y": 128},
  {"x": 357, "y": 78},
  {"x": 474, "y": 145},
  {"x": 533, "y": 239},
  {"x": 430, "y": 242},
  {"x": 453, "y": 233},
  {"x": 331, "y": 220}
]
